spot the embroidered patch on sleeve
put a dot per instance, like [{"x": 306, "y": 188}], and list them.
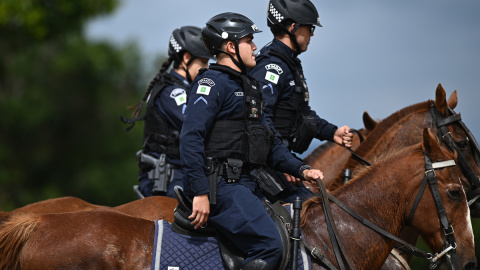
[
  {"x": 181, "y": 99},
  {"x": 272, "y": 77},
  {"x": 203, "y": 90}
]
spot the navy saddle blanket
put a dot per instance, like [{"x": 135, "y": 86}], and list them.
[{"x": 173, "y": 251}]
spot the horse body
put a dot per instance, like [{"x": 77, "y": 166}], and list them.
[
  {"x": 109, "y": 239},
  {"x": 151, "y": 208},
  {"x": 97, "y": 239}
]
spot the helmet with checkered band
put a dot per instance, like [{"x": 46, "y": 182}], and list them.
[
  {"x": 300, "y": 11},
  {"x": 187, "y": 38},
  {"x": 226, "y": 26}
]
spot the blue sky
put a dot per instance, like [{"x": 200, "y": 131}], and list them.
[{"x": 375, "y": 56}]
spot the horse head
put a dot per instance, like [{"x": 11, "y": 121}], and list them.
[
  {"x": 451, "y": 235},
  {"x": 457, "y": 137}
]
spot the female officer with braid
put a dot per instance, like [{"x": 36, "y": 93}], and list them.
[{"x": 166, "y": 99}]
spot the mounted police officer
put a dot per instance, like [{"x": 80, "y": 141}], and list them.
[
  {"x": 284, "y": 88},
  {"x": 166, "y": 99},
  {"x": 224, "y": 137}
]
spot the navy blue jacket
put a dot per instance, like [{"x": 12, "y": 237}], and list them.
[
  {"x": 215, "y": 96},
  {"x": 171, "y": 103},
  {"x": 277, "y": 84}
]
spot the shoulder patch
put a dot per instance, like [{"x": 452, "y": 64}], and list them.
[
  {"x": 272, "y": 77},
  {"x": 179, "y": 95},
  {"x": 204, "y": 86},
  {"x": 274, "y": 67}
]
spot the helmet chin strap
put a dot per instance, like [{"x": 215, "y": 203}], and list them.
[
  {"x": 293, "y": 38},
  {"x": 189, "y": 77},
  {"x": 185, "y": 68},
  {"x": 238, "y": 63}
]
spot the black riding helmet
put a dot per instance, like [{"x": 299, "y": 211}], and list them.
[
  {"x": 298, "y": 11},
  {"x": 227, "y": 26},
  {"x": 187, "y": 38}
]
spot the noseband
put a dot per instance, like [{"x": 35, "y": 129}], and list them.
[{"x": 443, "y": 133}]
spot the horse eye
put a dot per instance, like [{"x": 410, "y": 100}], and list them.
[
  {"x": 455, "y": 194},
  {"x": 463, "y": 145}
]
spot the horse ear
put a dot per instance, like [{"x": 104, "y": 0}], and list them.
[
  {"x": 431, "y": 144},
  {"x": 368, "y": 121},
  {"x": 453, "y": 100},
  {"x": 441, "y": 100}
]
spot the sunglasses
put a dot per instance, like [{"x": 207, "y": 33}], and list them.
[{"x": 312, "y": 28}]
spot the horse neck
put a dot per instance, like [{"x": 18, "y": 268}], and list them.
[
  {"x": 366, "y": 196},
  {"x": 391, "y": 134}
]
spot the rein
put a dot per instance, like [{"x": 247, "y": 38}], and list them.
[
  {"x": 429, "y": 178},
  {"x": 355, "y": 154}
]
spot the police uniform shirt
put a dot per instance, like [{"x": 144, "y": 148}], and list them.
[
  {"x": 278, "y": 84},
  {"x": 215, "y": 96},
  {"x": 171, "y": 103}
]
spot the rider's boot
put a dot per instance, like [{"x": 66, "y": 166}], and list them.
[{"x": 257, "y": 264}]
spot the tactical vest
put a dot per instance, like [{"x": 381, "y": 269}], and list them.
[
  {"x": 291, "y": 116},
  {"x": 156, "y": 135},
  {"x": 242, "y": 136}
]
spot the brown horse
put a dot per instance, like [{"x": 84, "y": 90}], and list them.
[
  {"x": 105, "y": 239},
  {"x": 151, "y": 208},
  {"x": 401, "y": 129}
]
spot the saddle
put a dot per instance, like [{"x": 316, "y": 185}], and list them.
[{"x": 232, "y": 256}]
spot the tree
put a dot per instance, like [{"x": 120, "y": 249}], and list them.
[{"x": 60, "y": 99}]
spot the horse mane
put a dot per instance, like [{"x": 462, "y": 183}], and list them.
[
  {"x": 13, "y": 235},
  {"x": 387, "y": 123},
  {"x": 4, "y": 216},
  {"x": 317, "y": 151},
  {"x": 380, "y": 129}
]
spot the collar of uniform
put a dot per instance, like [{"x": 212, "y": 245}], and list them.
[
  {"x": 180, "y": 77},
  {"x": 277, "y": 44}
]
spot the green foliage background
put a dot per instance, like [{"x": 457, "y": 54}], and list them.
[{"x": 60, "y": 100}]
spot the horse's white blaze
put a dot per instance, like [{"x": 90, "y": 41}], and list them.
[{"x": 469, "y": 227}]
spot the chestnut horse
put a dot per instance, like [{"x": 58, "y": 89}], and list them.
[
  {"x": 403, "y": 128},
  {"x": 151, "y": 208},
  {"x": 105, "y": 239}
]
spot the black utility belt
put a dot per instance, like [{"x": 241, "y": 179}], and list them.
[{"x": 229, "y": 168}]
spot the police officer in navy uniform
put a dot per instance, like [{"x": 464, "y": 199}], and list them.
[
  {"x": 166, "y": 99},
  {"x": 224, "y": 137},
  {"x": 284, "y": 88}
]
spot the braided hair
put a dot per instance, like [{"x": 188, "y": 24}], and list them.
[{"x": 137, "y": 108}]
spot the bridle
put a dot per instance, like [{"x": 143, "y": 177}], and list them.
[
  {"x": 429, "y": 178},
  {"x": 446, "y": 136},
  {"x": 442, "y": 132}
]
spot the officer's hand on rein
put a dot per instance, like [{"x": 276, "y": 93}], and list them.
[
  {"x": 292, "y": 179},
  {"x": 201, "y": 210},
  {"x": 312, "y": 175}
]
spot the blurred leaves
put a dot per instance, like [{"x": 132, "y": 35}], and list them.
[{"x": 60, "y": 100}]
